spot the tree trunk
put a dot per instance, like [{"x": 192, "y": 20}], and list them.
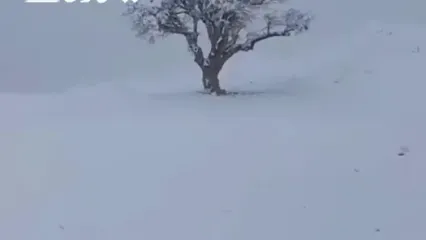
[{"x": 210, "y": 80}]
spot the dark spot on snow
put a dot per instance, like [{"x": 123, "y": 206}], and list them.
[
  {"x": 377, "y": 229},
  {"x": 403, "y": 150},
  {"x": 61, "y": 227},
  {"x": 356, "y": 170}
]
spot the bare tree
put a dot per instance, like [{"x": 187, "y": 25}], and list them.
[{"x": 226, "y": 22}]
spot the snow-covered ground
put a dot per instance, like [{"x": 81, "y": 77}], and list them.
[{"x": 312, "y": 153}]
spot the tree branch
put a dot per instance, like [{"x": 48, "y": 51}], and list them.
[
  {"x": 293, "y": 21},
  {"x": 192, "y": 40},
  {"x": 177, "y": 17},
  {"x": 249, "y": 44},
  {"x": 224, "y": 20}
]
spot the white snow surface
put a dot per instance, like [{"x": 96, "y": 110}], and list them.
[{"x": 311, "y": 152}]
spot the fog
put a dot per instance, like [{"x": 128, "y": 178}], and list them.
[{"x": 52, "y": 47}]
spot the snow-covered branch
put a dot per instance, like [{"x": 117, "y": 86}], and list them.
[
  {"x": 223, "y": 19},
  {"x": 162, "y": 18},
  {"x": 151, "y": 21},
  {"x": 278, "y": 24}
]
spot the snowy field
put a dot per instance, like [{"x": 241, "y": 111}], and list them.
[{"x": 330, "y": 144}]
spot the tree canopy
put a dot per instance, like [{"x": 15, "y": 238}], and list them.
[{"x": 226, "y": 22}]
